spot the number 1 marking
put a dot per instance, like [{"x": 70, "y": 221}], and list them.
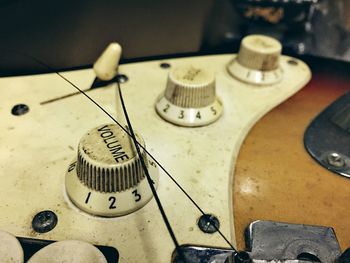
[{"x": 87, "y": 198}]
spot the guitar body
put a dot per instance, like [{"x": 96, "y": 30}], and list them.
[
  {"x": 276, "y": 179},
  {"x": 38, "y": 147}
]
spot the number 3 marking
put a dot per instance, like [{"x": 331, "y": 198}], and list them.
[
  {"x": 137, "y": 195},
  {"x": 182, "y": 114}
]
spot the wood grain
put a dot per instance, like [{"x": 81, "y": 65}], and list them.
[{"x": 276, "y": 179}]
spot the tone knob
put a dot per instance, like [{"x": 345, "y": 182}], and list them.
[
  {"x": 68, "y": 251},
  {"x": 107, "y": 178},
  {"x": 257, "y": 61},
  {"x": 190, "y": 97}
]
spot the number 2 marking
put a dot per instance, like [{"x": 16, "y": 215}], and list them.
[
  {"x": 112, "y": 200},
  {"x": 167, "y": 106}
]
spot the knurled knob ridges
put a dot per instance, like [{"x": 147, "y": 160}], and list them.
[{"x": 189, "y": 98}]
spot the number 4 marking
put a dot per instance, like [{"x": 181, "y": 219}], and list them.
[{"x": 71, "y": 166}]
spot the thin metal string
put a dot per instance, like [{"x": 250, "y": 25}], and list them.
[
  {"x": 138, "y": 144},
  {"x": 149, "y": 179}
]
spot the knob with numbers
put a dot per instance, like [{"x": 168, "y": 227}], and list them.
[
  {"x": 107, "y": 178},
  {"x": 190, "y": 97},
  {"x": 257, "y": 61}
]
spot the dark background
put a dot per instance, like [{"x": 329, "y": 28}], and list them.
[{"x": 71, "y": 34}]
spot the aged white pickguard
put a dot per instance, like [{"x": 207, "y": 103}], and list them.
[{"x": 36, "y": 149}]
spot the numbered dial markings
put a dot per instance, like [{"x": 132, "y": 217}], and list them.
[
  {"x": 189, "y": 116},
  {"x": 254, "y": 76},
  {"x": 110, "y": 204},
  {"x": 258, "y": 61}
]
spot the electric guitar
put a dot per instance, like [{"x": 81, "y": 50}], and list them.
[
  {"x": 276, "y": 178},
  {"x": 55, "y": 188}
]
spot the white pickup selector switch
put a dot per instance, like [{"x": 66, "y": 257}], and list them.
[
  {"x": 189, "y": 98},
  {"x": 257, "y": 61},
  {"x": 107, "y": 178},
  {"x": 106, "y": 65}
]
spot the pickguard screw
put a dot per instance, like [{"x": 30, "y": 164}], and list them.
[
  {"x": 242, "y": 257},
  {"x": 19, "y": 109},
  {"x": 292, "y": 62},
  {"x": 165, "y": 65},
  {"x": 44, "y": 221},
  {"x": 208, "y": 223},
  {"x": 344, "y": 257},
  {"x": 121, "y": 78},
  {"x": 335, "y": 160}
]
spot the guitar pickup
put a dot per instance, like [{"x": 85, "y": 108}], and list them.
[
  {"x": 342, "y": 119},
  {"x": 327, "y": 138}
]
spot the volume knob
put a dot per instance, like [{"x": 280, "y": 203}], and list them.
[
  {"x": 257, "y": 61},
  {"x": 190, "y": 97},
  {"x": 107, "y": 178}
]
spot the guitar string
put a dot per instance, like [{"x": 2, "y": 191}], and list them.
[
  {"x": 150, "y": 182},
  {"x": 211, "y": 221}
]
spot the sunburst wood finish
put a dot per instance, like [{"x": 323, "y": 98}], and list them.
[{"x": 276, "y": 179}]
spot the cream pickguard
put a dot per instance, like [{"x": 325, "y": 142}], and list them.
[{"x": 37, "y": 147}]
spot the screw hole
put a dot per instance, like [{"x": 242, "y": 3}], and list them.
[
  {"x": 44, "y": 221},
  {"x": 242, "y": 257},
  {"x": 208, "y": 223},
  {"x": 19, "y": 109},
  {"x": 121, "y": 78},
  {"x": 165, "y": 65},
  {"x": 292, "y": 62}
]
